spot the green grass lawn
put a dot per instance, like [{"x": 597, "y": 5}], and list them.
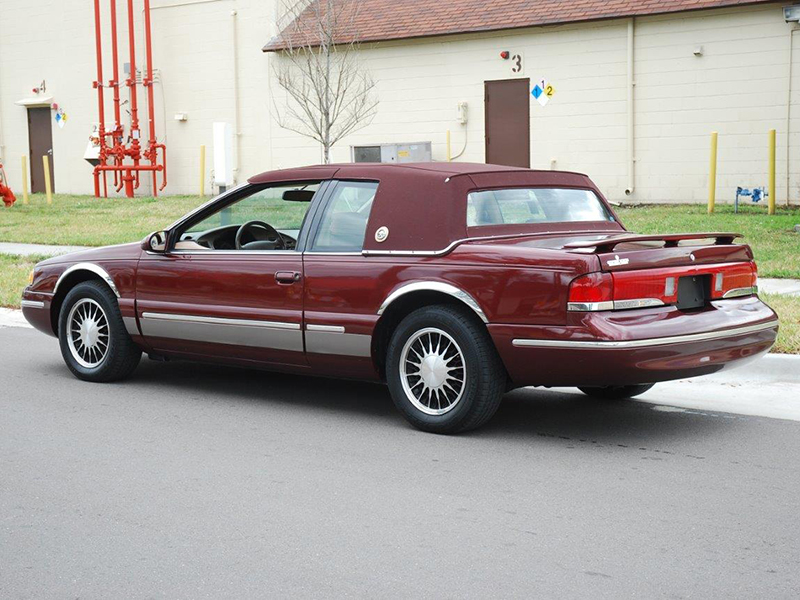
[
  {"x": 788, "y": 309},
  {"x": 14, "y": 272},
  {"x": 89, "y": 221}
]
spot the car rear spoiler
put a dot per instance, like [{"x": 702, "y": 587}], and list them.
[{"x": 670, "y": 240}]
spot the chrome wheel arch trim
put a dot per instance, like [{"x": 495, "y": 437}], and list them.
[
  {"x": 434, "y": 286},
  {"x": 92, "y": 268}
]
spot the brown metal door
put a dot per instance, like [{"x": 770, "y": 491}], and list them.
[
  {"x": 507, "y": 106},
  {"x": 40, "y": 135}
]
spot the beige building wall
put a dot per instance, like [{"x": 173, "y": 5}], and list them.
[
  {"x": 204, "y": 50},
  {"x": 737, "y": 86}
]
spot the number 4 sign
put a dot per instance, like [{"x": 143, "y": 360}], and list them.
[{"x": 543, "y": 91}]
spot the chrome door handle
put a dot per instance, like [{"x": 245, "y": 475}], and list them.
[{"x": 287, "y": 277}]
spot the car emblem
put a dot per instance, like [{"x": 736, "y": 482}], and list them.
[
  {"x": 617, "y": 261},
  {"x": 381, "y": 234},
  {"x": 692, "y": 256}
]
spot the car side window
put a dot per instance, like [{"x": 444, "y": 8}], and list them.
[
  {"x": 344, "y": 221},
  {"x": 269, "y": 218}
]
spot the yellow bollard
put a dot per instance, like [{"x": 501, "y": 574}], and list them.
[
  {"x": 772, "y": 171},
  {"x": 24, "y": 179},
  {"x": 449, "y": 152},
  {"x": 47, "y": 184},
  {"x": 202, "y": 171},
  {"x": 712, "y": 174}
]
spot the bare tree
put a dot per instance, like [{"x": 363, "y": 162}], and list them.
[{"x": 330, "y": 94}]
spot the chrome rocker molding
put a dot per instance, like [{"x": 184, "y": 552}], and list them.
[
  {"x": 277, "y": 335},
  {"x": 332, "y": 339},
  {"x": 675, "y": 339},
  {"x": 220, "y": 321},
  {"x": 434, "y": 286},
  {"x": 31, "y": 304},
  {"x": 325, "y": 328},
  {"x": 93, "y": 268}
]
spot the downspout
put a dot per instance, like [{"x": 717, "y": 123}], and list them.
[
  {"x": 630, "y": 84},
  {"x": 236, "y": 110},
  {"x": 789, "y": 113}
]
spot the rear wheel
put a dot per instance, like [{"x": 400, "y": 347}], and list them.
[
  {"x": 92, "y": 335},
  {"x": 616, "y": 392},
  {"x": 443, "y": 371}
]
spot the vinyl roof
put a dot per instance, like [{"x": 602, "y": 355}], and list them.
[
  {"x": 381, "y": 20},
  {"x": 366, "y": 170}
]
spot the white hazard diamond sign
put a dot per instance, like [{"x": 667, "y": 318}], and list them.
[{"x": 543, "y": 91}]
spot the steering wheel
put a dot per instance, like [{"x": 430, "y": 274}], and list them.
[{"x": 272, "y": 240}]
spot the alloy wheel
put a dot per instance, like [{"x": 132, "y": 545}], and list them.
[
  {"x": 433, "y": 371},
  {"x": 87, "y": 334}
]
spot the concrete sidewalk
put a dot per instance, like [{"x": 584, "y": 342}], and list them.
[
  {"x": 37, "y": 249},
  {"x": 787, "y": 287}
]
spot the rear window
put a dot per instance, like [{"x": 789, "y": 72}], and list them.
[{"x": 534, "y": 205}]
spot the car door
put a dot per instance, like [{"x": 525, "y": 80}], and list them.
[
  {"x": 340, "y": 283},
  {"x": 226, "y": 302}
]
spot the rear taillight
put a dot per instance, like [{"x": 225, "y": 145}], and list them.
[
  {"x": 738, "y": 280},
  {"x": 594, "y": 291},
  {"x": 657, "y": 287}
]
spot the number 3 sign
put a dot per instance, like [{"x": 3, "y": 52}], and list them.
[{"x": 516, "y": 63}]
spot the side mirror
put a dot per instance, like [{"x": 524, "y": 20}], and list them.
[{"x": 155, "y": 242}]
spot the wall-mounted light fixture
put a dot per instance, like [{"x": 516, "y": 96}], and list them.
[{"x": 791, "y": 14}]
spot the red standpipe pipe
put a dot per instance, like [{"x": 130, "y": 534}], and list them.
[
  {"x": 99, "y": 85},
  {"x": 114, "y": 83},
  {"x": 148, "y": 83},
  {"x": 134, "y": 151}
]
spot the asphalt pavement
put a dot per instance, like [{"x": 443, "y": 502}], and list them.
[{"x": 193, "y": 481}]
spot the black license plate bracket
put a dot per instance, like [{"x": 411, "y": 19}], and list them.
[{"x": 694, "y": 291}]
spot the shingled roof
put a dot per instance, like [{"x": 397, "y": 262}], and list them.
[{"x": 381, "y": 20}]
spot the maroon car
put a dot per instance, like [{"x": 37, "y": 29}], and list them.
[{"x": 453, "y": 283}]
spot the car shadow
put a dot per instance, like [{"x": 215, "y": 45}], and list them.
[{"x": 557, "y": 415}]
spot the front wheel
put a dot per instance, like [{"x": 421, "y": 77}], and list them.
[
  {"x": 616, "y": 392},
  {"x": 443, "y": 371},
  {"x": 92, "y": 335}
]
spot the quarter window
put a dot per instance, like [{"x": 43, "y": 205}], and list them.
[{"x": 344, "y": 222}]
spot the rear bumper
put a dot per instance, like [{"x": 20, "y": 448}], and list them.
[{"x": 642, "y": 346}]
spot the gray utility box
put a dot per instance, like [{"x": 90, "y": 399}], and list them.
[{"x": 392, "y": 153}]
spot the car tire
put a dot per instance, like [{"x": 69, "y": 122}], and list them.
[
  {"x": 616, "y": 392},
  {"x": 93, "y": 339},
  {"x": 443, "y": 371}
]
